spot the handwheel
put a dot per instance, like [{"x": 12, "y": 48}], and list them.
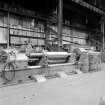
[{"x": 9, "y": 72}]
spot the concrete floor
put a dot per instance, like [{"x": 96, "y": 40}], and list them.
[{"x": 79, "y": 89}]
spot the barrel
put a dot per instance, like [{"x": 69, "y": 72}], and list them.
[
  {"x": 84, "y": 58},
  {"x": 103, "y": 57},
  {"x": 94, "y": 61},
  {"x": 84, "y": 62},
  {"x": 84, "y": 68}
]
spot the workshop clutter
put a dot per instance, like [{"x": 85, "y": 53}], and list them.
[
  {"x": 72, "y": 58},
  {"x": 3, "y": 56},
  {"x": 87, "y": 60}
]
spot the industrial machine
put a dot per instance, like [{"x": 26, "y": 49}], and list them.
[{"x": 12, "y": 60}]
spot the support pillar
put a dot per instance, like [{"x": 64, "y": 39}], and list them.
[
  {"x": 8, "y": 30},
  {"x": 60, "y": 20},
  {"x": 103, "y": 32},
  {"x": 103, "y": 36},
  {"x": 46, "y": 35}
]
